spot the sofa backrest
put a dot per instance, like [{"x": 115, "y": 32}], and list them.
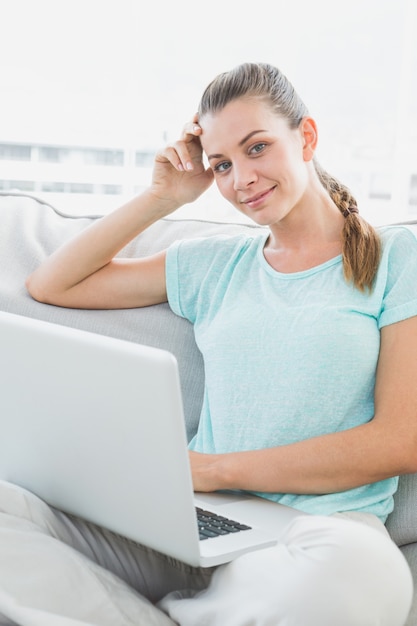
[{"x": 30, "y": 230}]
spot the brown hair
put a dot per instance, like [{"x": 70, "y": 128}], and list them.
[{"x": 361, "y": 243}]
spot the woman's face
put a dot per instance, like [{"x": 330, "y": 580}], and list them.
[{"x": 259, "y": 163}]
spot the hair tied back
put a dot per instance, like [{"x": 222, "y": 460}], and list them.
[{"x": 351, "y": 209}]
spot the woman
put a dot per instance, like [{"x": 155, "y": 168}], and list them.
[{"x": 309, "y": 335}]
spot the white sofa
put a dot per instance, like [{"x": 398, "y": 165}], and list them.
[{"x": 31, "y": 229}]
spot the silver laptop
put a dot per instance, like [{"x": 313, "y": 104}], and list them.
[{"x": 94, "y": 426}]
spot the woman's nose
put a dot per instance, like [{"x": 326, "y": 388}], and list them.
[{"x": 244, "y": 176}]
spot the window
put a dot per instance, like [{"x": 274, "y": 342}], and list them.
[
  {"x": 92, "y": 89},
  {"x": 87, "y": 156},
  {"x": 144, "y": 159},
  {"x": 17, "y": 185},
  {"x": 54, "y": 187},
  {"x": 14, "y": 152},
  {"x": 52, "y": 155},
  {"x": 80, "y": 188},
  {"x": 103, "y": 157},
  {"x": 115, "y": 190}
]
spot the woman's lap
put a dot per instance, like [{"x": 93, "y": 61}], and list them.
[{"x": 55, "y": 564}]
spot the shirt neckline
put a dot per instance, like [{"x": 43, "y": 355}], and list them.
[{"x": 292, "y": 275}]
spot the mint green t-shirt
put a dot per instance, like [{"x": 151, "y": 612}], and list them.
[{"x": 288, "y": 356}]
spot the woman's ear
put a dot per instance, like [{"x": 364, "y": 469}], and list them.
[{"x": 308, "y": 129}]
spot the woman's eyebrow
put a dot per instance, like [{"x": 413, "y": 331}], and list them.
[
  {"x": 241, "y": 143},
  {"x": 254, "y": 132}
]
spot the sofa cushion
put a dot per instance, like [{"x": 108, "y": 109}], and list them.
[
  {"x": 402, "y": 522},
  {"x": 31, "y": 230},
  {"x": 410, "y": 553}
]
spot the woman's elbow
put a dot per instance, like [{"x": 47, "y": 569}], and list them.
[
  {"x": 36, "y": 290},
  {"x": 410, "y": 464},
  {"x": 407, "y": 455}
]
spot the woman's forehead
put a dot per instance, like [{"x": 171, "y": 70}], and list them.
[{"x": 236, "y": 121}]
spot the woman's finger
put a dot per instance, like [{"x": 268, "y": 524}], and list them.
[
  {"x": 178, "y": 155},
  {"x": 181, "y": 153},
  {"x": 191, "y": 129}
]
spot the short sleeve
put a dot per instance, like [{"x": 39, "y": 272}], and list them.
[
  {"x": 193, "y": 269},
  {"x": 398, "y": 270},
  {"x": 181, "y": 282},
  {"x": 171, "y": 271}
]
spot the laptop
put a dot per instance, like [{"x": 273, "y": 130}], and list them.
[{"x": 94, "y": 426}]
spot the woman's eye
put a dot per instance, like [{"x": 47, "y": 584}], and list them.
[
  {"x": 257, "y": 148},
  {"x": 222, "y": 167}
]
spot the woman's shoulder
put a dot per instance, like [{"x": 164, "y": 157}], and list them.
[
  {"x": 396, "y": 283},
  {"x": 397, "y": 234},
  {"x": 399, "y": 254},
  {"x": 399, "y": 243},
  {"x": 218, "y": 245}
]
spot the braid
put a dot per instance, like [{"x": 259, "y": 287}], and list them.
[{"x": 361, "y": 244}]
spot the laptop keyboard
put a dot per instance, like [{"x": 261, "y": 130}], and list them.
[{"x": 212, "y": 525}]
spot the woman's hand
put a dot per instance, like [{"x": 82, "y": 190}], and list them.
[{"x": 179, "y": 174}]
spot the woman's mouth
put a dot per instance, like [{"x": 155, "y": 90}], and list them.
[{"x": 256, "y": 201}]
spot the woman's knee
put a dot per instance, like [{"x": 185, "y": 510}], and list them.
[
  {"x": 325, "y": 572},
  {"x": 348, "y": 574}
]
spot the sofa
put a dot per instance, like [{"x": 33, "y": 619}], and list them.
[{"x": 30, "y": 229}]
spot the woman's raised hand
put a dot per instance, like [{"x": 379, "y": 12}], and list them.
[
  {"x": 179, "y": 174},
  {"x": 85, "y": 274}
]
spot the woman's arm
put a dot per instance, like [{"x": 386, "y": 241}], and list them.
[
  {"x": 384, "y": 447},
  {"x": 84, "y": 274}
]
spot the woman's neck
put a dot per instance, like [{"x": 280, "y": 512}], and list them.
[{"x": 307, "y": 237}]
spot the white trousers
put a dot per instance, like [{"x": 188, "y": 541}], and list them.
[{"x": 57, "y": 570}]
